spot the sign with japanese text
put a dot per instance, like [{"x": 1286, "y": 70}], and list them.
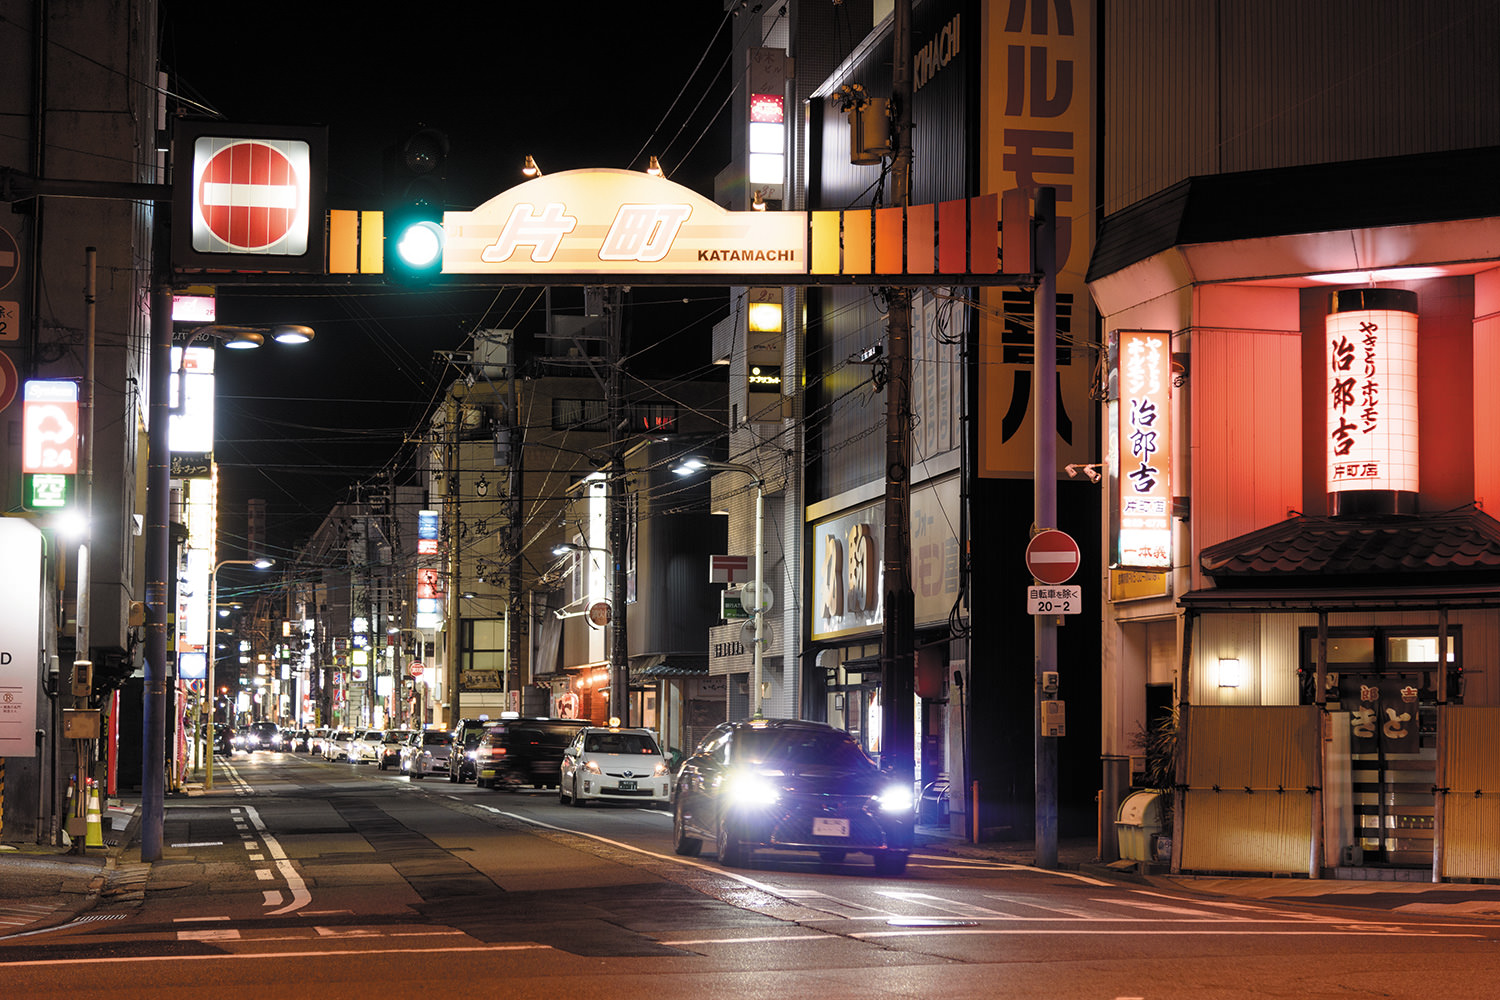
[
  {"x": 427, "y": 532},
  {"x": 21, "y": 590},
  {"x": 618, "y": 222},
  {"x": 1054, "y": 600},
  {"x": 1036, "y": 116},
  {"x": 1372, "y": 390},
  {"x": 49, "y": 427},
  {"x": 1143, "y": 473}
]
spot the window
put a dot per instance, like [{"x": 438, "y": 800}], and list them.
[
  {"x": 593, "y": 415},
  {"x": 1365, "y": 656},
  {"x": 483, "y": 644}
]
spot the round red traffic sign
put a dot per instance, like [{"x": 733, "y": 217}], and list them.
[
  {"x": 249, "y": 195},
  {"x": 415, "y": 669},
  {"x": 1052, "y": 557}
]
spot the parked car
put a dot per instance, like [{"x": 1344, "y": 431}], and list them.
[
  {"x": 785, "y": 784},
  {"x": 390, "y": 747},
  {"x": 517, "y": 752},
  {"x": 336, "y": 746},
  {"x": 617, "y": 764},
  {"x": 262, "y": 736},
  {"x": 365, "y": 745},
  {"x": 426, "y": 753}
]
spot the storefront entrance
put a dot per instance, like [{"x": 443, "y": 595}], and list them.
[{"x": 1382, "y": 692}]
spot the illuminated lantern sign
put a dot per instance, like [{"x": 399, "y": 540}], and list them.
[
  {"x": 1371, "y": 336},
  {"x": 49, "y": 419},
  {"x": 1144, "y": 476}
]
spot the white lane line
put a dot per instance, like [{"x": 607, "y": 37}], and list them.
[
  {"x": 273, "y": 955},
  {"x": 271, "y": 897},
  {"x": 1002, "y": 866},
  {"x": 201, "y": 843},
  {"x": 1174, "y": 931},
  {"x": 300, "y": 896},
  {"x": 195, "y": 920},
  {"x": 939, "y": 903},
  {"x": 264, "y": 874},
  {"x": 210, "y": 934}
]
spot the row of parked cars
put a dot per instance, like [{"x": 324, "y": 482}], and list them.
[{"x": 759, "y": 784}]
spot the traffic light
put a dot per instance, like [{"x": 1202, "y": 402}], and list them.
[{"x": 416, "y": 197}]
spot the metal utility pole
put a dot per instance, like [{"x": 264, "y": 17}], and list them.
[
  {"x": 897, "y": 677},
  {"x": 618, "y": 515},
  {"x": 451, "y": 515},
  {"x": 1044, "y": 495}
]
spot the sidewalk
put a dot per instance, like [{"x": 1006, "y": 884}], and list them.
[{"x": 44, "y": 886}]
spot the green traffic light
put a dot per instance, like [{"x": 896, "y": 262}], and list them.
[{"x": 420, "y": 245}]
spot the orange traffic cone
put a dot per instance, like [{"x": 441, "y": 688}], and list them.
[{"x": 95, "y": 835}]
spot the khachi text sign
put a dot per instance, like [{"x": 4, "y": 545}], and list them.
[
  {"x": 1143, "y": 477},
  {"x": 618, "y": 222}
]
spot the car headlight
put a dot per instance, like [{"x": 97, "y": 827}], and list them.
[
  {"x": 895, "y": 799},
  {"x": 661, "y": 770},
  {"x": 592, "y": 767},
  {"x": 755, "y": 790}
]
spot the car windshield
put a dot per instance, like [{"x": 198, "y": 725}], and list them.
[
  {"x": 437, "y": 739},
  {"x": 801, "y": 747},
  {"x": 632, "y": 743}
]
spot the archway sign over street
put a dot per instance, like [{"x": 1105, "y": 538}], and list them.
[
  {"x": 1052, "y": 557},
  {"x": 603, "y": 225}
]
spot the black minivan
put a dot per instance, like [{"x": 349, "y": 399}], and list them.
[{"x": 516, "y": 752}]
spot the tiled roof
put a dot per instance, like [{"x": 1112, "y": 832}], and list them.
[{"x": 1454, "y": 544}]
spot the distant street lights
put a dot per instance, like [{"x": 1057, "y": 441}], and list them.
[
  {"x": 213, "y": 652},
  {"x": 690, "y": 466}
]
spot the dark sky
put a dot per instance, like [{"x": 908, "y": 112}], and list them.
[{"x": 578, "y": 85}]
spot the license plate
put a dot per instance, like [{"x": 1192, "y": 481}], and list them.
[
  {"x": 826, "y": 827},
  {"x": 627, "y": 786}
]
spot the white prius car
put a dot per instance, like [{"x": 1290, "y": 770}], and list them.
[{"x": 614, "y": 765}]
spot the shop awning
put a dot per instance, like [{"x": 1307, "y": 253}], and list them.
[{"x": 669, "y": 665}]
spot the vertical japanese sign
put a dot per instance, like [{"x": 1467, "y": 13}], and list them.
[
  {"x": 1372, "y": 390},
  {"x": 49, "y": 427},
  {"x": 1143, "y": 477},
  {"x": 1037, "y": 84},
  {"x": 429, "y": 587},
  {"x": 20, "y": 636}
]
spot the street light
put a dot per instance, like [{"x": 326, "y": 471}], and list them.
[
  {"x": 688, "y": 467},
  {"x": 213, "y": 652}
]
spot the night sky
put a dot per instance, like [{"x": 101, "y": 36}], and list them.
[{"x": 583, "y": 85}]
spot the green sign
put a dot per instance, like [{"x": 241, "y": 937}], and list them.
[{"x": 46, "y": 490}]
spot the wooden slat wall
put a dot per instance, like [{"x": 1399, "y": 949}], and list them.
[
  {"x": 1469, "y": 752},
  {"x": 1247, "y": 433},
  {"x": 1272, "y": 751},
  {"x": 1201, "y": 87}
]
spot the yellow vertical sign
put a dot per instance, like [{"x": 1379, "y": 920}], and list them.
[{"x": 1037, "y": 66}]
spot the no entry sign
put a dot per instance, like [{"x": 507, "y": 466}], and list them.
[
  {"x": 251, "y": 196},
  {"x": 1052, "y": 557}
]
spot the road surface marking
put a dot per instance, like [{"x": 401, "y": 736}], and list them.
[{"x": 300, "y": 896}]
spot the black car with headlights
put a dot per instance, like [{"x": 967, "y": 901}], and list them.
[{"x": 790, "y": 785}]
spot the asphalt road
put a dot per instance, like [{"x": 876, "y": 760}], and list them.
[{"x": 300, "y": 877}]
